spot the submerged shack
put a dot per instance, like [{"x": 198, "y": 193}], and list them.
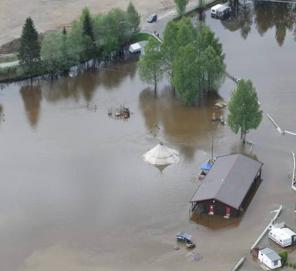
[{"x": 228, "y": 186}]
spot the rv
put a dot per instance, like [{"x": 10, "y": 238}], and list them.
[
  {"x": 282, "y": 236},
  {"x": 269, "y": 258},
  {"x": 220, "y": 11},
  {"x": 135, "y": 48}
]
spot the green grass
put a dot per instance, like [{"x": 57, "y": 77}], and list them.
[
  {"x": 8, "y": 58},
  {"x": 141, "y": 37}
]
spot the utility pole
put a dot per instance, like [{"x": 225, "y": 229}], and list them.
[{"x": 212, "y": 147}]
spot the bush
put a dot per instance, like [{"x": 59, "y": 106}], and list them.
[{"x": 284, "y": 257}]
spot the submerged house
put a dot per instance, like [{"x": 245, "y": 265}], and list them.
[{"x": 227, "y": 187}]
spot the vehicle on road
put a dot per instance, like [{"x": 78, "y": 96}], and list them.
[
  {"x": 152, "y": 18},
  {"x": 220, "y": 11},
  {"x": 135, "y": 48}
]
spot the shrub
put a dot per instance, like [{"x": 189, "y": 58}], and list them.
[{"x": 284, "y": 257}]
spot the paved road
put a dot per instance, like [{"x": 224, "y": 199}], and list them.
[{"x": 167, "y": 16}]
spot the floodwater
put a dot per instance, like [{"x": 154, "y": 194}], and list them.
[{"x": 75, "y": 193}]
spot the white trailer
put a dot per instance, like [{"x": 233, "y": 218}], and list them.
[
  {"x": 269, "y": 258},
  {"x": 214, "y": 9},
  {"x": 283, "y": 236},
  {"x": 220, "y": 11},
  {"x": 135, "y": 48}
]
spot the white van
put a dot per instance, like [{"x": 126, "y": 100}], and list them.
[
  {"x": 282, "y": 236},
  {"x": 214, "y": 9},
  {"x": 220, "y": 11},
  {"x": 135, "y": 48}
]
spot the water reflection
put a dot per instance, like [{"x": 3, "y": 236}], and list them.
[
  {"x": 241, "y": 19},
  {"x": 278, "y": 15},
  {"x": 84, "y": 85},
  {"x": 2, "y": 115},
  {"x": 266, "y": 15},
  {"x": 32, "y": 97},
  {"x": 168, "y": 114}
]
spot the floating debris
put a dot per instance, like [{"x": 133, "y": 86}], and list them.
[
  {"x": 220, "y": 105},
  {"x": 120, "y": 113},
  {"x": 218, "y": 118}
]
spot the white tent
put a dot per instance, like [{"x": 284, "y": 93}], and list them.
[{"x": 161, "y": 155}]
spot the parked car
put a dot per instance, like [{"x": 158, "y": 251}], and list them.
[{"x": 152, "y": 18}]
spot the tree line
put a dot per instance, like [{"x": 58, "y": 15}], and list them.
[
  {"x": 97, "y": 38},
  {"x": 190, "y": 55}
]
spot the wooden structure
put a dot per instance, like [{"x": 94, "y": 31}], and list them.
[{"x": 227, "y": 187}]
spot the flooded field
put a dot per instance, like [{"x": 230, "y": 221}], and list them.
[{"x": 75, "y": 193}]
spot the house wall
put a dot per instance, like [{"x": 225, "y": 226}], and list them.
[
  {"x": 265, "y": 260},
  {"x": 219, "y": 208}
]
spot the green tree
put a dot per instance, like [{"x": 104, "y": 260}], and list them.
[
  {"x": 213, "y": 68},
  {"x": 206, "y": 38},
  {"x": 88, "y": 35},
  {"x": 186, "y": 69},
  {"x": 133, "y": 18},
  {"x": 176, "y": 35},
  {"x": 112, "y": 31},
  {"x": 151, "y": 64},
  {"x": 244, "y": 109},
  {"x": 181, "y": 6},
  {"x": 57, "y": 54},
  {"x": 284, "y": 257},
  {"x": 87, "y": 24},
  {"x": 29, "y": 52}
]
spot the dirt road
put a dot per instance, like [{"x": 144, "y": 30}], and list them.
[{"x": 51, "y": 14}]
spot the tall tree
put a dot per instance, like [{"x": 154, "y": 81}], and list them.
[
  {"x": 244, "y": 109},
  {"x": 186, "y": 68},
  {"x": 87, "y": 24},
  {"x": 213, "y": 68},
  {"x": 88, "y": 35},
  {"x": 181, "y": 6},
  {"x": 133, "y": 18},
  {"x": 151, "y": 64},
  {"x": 176, "y": 35},
  {"x": 29, "y": 52}
]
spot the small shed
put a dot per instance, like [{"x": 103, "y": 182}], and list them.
[
  {"x": 269, "y": 258},
  {"x": 283, "y": 236},
  {"x": 226, "y": 187}
]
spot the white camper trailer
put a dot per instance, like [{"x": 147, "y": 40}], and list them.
[
  {"x": 269, "y": 258},
  {"x": 220, "y": 11},
  {"x": 135, "y": 48},
  {"x": 214, "y": 9},
  {"x": 283, "y": 236}
]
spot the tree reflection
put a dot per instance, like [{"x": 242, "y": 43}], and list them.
[
  {"x": 241, "y": 19},
  {"x": 267, "y": 15},
  {"x": 32, "y": 97},
  {"x": 190, "y": 127},
  {"x": 85, "y": 85},
  {"x": 278, "y": 15}
]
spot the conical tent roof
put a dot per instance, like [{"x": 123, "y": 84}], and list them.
[{"x": 161, "y": 155}]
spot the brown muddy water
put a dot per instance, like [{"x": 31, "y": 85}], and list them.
[{"x": 75, "y": 193}]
